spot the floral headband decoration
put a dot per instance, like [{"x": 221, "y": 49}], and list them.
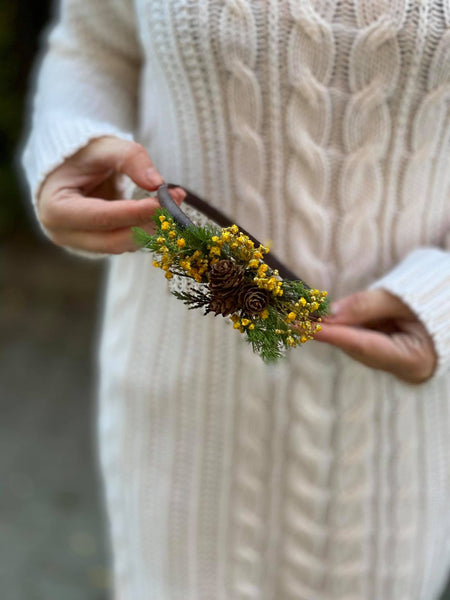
[{"x": 233, "y": 277}]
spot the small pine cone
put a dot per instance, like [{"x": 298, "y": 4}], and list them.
[
  {"x": 223, "y": 304},
  {"x": 253, "y": 300},
  {"x": 225, "y": 277}
]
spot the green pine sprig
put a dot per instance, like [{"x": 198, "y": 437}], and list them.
[{"x": 193, "y": 299}]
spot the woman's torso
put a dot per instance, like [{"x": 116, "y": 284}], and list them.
[{"x": 324, "y": 127}]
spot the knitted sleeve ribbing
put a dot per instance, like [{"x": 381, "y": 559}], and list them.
[
  {"x": 422, "y": 281},
  {"x": 86, "y": 84}
]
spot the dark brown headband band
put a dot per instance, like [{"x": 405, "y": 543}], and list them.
[{"x": 167, "y": 202}]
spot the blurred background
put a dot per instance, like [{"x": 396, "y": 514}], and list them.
[
  {"x": 52, "y": 540},
  {"x": 52, "y": 528}
]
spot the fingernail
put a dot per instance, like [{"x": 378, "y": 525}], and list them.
[{"x": 153, "y": 177}]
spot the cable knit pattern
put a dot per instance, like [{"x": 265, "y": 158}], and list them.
[
  {"x": 307, "y": 476},
  {"x": 274, "y": 56},
  {"x": 349, "y": 556},
  {"x": 427, "y": 130},
  {"x": 324, "y": 126},
  {"x": 415, "y": 37},
  {"x": 373, "y": 68},
  {"x": 238, "y": 37},
  {"x": 159, "y": 17},
  {"x": 428, "y": 134},
  {"x": 310, "y": 61},
  {"x": 439, "y": 86},
  {"x": 250, "y": 487}
]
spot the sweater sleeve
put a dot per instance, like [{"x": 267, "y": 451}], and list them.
[
  {"x": 422, "y": 281},
  {"x": 86, "y": 84}
]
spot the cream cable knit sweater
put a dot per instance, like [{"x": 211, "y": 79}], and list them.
[{"x": 323, "y": 125}]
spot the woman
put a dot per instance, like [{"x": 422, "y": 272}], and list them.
[{"x": 322, "y": 126}]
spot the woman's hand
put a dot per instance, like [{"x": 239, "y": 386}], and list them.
[
  {"x": 79, "y": 203},
  {"x": 380, "y": 331}
]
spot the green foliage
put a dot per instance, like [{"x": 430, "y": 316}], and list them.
[
  {"x": 199, "y": 236},
  {"x": 289, "y": 310},
  {"x": 193, "y": 299},
  {"x": 143, "y": 239},
  {"x": 264, "y": 339},
  {"x": 297, "y": 289}
]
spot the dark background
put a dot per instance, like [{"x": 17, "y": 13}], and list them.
[{"x": 52, "y": 542}]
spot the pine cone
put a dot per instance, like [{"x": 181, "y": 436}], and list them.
[
  {"x": 223, "y": 304},
  {"x": 225, "y": 277},
  {"x": 253, "y": 300}
]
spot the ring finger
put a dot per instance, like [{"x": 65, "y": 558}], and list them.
[{"x": 116, "y": 241}]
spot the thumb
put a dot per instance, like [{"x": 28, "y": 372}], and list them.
[
  {"x": 126, "y": 157},
  {"x": 369, "y": 305}
]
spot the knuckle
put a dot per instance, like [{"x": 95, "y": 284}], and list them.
[
  {"x": 48, "y": 220},
  {"x": 45, "y": 214},
  {"x": 134, "y": 151},
  {"x": 130, "y": 153},
  {"x": 418, "y": 364},
  {"x": 358, "y": 303},
  {"x": 45, "y": 220}
]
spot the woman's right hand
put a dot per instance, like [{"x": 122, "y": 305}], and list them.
[{"x": 79, "y": 203}]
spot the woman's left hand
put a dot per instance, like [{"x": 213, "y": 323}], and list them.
[{"x": 380, "y": 331}]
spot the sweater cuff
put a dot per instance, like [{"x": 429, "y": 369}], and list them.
[
  {"x": 51, "y": 143},
  {"x": 422, "y": 281}
]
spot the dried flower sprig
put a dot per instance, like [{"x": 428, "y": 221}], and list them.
[{"x": 233, "y": 280}]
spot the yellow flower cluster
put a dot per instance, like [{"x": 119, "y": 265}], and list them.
[
  {"x": 270, "y": 283},
  {"x": 195, "y": 266},
  {"x": 301, "y": 316},
  {"x": 242, "y": 245},
  {"x": 241, "y": 324},
  {"x": 246, "y": 251},
  {"x": 166, "y": 260}
]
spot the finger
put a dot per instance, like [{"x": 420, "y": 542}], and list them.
[
  {"x": 178, "y": 194},
  {"x": 372, "y": 348},
  {"x": 369, "y": 306},
  {"x": 128, "y": 158},
  {"x": 102, "y": 242},
  {"x": 75, "y": 212},
  {"x": 72, "y": 211}
]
